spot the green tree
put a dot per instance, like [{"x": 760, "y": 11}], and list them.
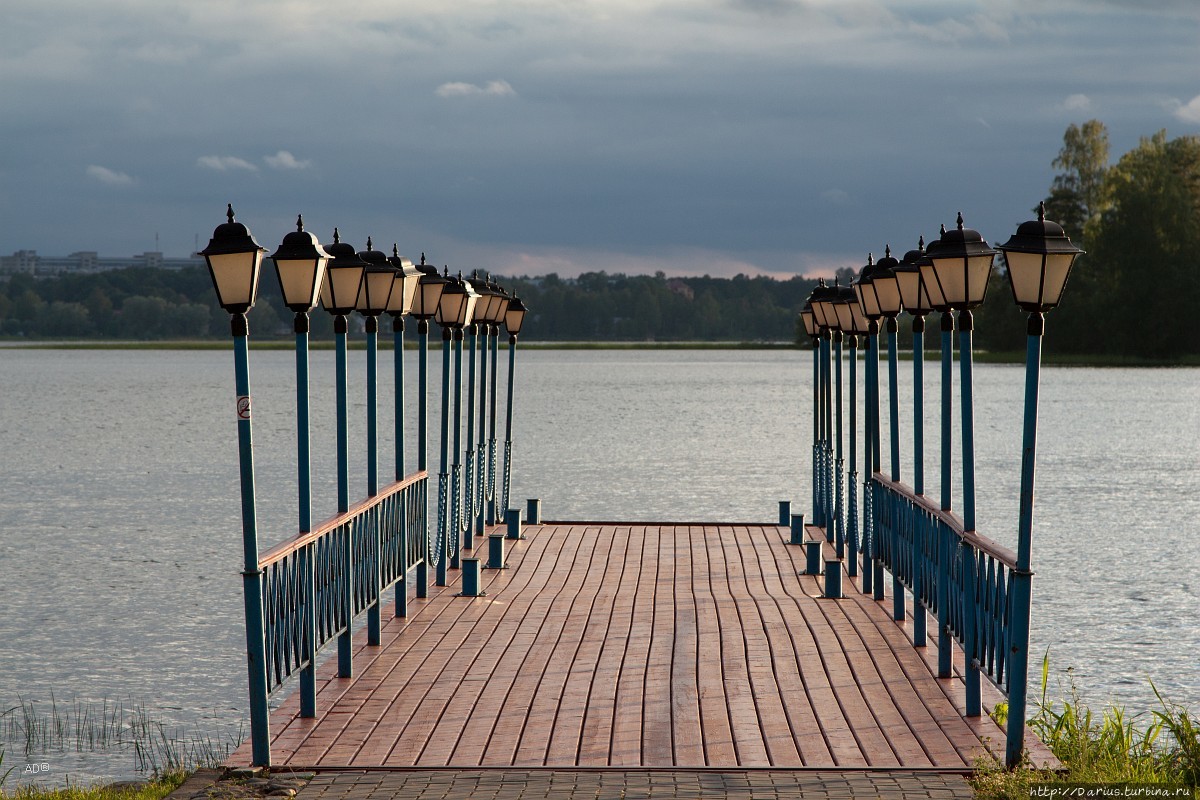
[
  {"x": 1079, "y": 193},
  {"x": 1141, "y": 269}
]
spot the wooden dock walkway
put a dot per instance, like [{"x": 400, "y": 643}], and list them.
[{"x": 637, "y": 645}]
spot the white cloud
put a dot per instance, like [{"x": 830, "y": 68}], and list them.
[
  {"x": 1189, "y": 112},
  {"x": 225, "y": 163},
  {"x": 459, "y": 89},
  {"x": 109, "y": 176},
  {"x": 285, "y": 160},
  {"x": 1077, "y": 102}
]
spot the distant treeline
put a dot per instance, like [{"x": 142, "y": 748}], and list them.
[
  {"x": 1134, "y": 294},
  {"x": 148, "y": 304}
]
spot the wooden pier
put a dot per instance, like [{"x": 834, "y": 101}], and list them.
[{"x": 642, "y": 645}]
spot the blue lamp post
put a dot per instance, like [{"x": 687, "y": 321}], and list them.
[
  {"x": 852, "y": 323},
  {"x": 961, "y": 266},
  {"x": 426, "y": 301},
  {"x": 300, "y": 266},
  {"x": 379, "y": 276},
  {"x": 825, "y": 318},
  {"x": 869, "y": 300},
  {"x": 514, "y": 320},
  {"x": 808, "y": 319},
  {"x": 1039, "y": 257},
  {"x": 939, "y": 304},
  {"x": 234, "y": 262},
  {"x": 917, "y": 303},
  {"x": 825, "y": 305},
  {"x": 339, "y": 294},
  {"x": 453, "y": 313},
  {"x": 497, "y": 315},
  {"x": 400, "y": 302},
  {"x": 489, "y": 313}
]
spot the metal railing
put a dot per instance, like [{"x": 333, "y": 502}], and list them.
[
  {"x": 305, "y": 578},
  {"x": 962, "y": 578}
]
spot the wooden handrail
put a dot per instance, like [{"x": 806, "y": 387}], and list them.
[
  {"x": 286, "y": 548},
  {"x": 1002, "y": 554}
]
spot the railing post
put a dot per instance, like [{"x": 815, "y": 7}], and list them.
[
  {"x": 839, "y": 519},
  {"x": 894, "y": 435},
  {"x": 401, "y": 609},
  {"x": 443, "y": 491},
  {"x": 308, "y": 686},
  {"x": 471, "y": 478},
  {"x": 965, "y": 326},
  {"x": 455, "y": 523},
  {"x": 785, "y": 512},
  {"x": 945, "y": 536},
  {"x": 852, "y": 488},
  {"x": 816, "y": 435},
  {"x": 918, "y": 527},
  {"x": 252, "y": 576},
  {"x": 507, "y": 480},
  {"x": 1021, "y": 598},
  {"x": 422, "y": 589},
  {"x": 374, "y": 622},
  {"x": 868, "y": 420},
  {"x": 492, "y": 516},
  {"x": 481, "y": 446},
  {"x": 345, "y": 644}
]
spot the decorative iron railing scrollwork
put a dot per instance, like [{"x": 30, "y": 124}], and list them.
[
  {"x": 980, "y": 571},
  {"x": 304, "y": 578}
]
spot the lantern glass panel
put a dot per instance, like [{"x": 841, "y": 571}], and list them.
[
  {"x": 375, "y": 290},
  {"x": 845, "y": 317},
  {"x": 932, "y": 287},
  {"x": 910, "y": 287},
  {"x": 514, "y": 318},
  {"x": 343, "y": 284},
  {"x": 300, "y": 280},
  {"x": 236, "y": 277},
  {"x": 867, "y": 298},
  {"x": 887, "y": 293}
]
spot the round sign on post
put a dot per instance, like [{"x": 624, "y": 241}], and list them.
[{"x": 243, "y": 407}]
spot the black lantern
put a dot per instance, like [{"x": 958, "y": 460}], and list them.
[
  {"x": 234, "y": 261},
  {"x": 514, "y": 316},
  {"x": 867, "y": 299},
  {"x": 808, "y": 318},
  {"x": 912, "y": 289},
  {"x": 961, "y": 265},
  {"x": 886, "y": 285},
  {"x": 378, "y": 278},
  {"x": 404, "y": 290},
  {"x": 429, "y": 291},
  {"x": 1039, "y": 257},
  {"x": 343, "y": 277},
  {"x": 457, "y": 304},
  {"x": 844, "y": 304},
  {"x": 300, "y": 266}
]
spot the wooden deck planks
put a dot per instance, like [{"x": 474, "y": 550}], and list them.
[{"x": 610, "y": 644}]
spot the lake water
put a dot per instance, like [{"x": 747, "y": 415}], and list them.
[{"x": 119, "y": 574}]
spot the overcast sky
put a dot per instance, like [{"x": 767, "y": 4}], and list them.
[{"x": 691, "y": 136}]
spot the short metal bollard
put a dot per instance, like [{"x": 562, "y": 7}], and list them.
[
  {"x": 833, "y": 578},
  {"x": 496, "y": 551},
  {"x": 513, "y": 518},
  {"x": 533, "y": 511},
  {"x": 812, "y": 557},
  {"x": 470, "y": 578},
  {"x": 797, "y": 529},
  {"x": 785, "y": 511}
]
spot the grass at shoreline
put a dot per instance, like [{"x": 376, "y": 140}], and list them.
[{"x": 154, "y": 789}]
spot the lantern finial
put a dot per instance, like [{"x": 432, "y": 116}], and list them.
[
  {"x": 299, "y": 223},
  {"x": 229, "y": 211},
  {"x": 960, "y": 221},
  {"x": 921, "y": 243},
  {"x": 1042, "y": 211},
  {"x": 369, "y": 245},
  {"x": 337, "y": 237}
]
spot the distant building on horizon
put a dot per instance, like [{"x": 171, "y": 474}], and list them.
[{"x": 87, "y": 262}]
